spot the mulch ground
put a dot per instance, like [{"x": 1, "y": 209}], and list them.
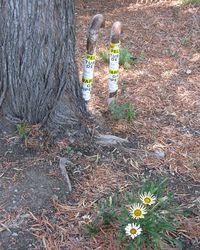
[{"x": 36, "y": 210}]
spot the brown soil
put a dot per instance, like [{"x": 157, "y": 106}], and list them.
[{"x": 36, "y": 209}]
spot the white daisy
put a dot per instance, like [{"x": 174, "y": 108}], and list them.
[
  {"x": 148, "y": 198},
  {"x": 137, "y": 211},
  {"x": 133, "y": 230}
]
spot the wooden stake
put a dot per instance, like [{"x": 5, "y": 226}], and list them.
[
  {"x": 114, "y": 60},
  {"x": 89, "y": 62}
]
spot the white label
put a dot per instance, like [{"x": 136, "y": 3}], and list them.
[
  {"x": 89, "y": 66},
  {"x": 113, "y": 67},
  {"x": 112, "y": 83},
  {"x": 88, "y": 72},
  {"x": 113, "y": 80},
  {"x": 88, "y": 69},
  {"x": 114, "y": 62},
  {"x": 86, "y": 88}
]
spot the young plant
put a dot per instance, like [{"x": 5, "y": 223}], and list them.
[
  {"x": 126, "y": 59},
  {"x": 22, "y": 130},
  {"x": 104, "y": 56},
  {"x": 69, "y": 151},
  {"x": 91, "y": 229},
  {"x": 121, "y": 111},
  {"x": 145, "y": 220}
]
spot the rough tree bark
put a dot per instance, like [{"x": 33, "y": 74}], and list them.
[{"x": 39, "y": 81}]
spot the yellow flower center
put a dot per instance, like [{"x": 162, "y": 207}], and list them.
[
  {"x": 133, "y": 231},
  {"x": 147, "y": 200},
  {"x": 137, "y": 212}
]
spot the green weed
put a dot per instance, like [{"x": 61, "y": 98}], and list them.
[
  {"x": 69, "y": 151},
  {"x": 22, "y": 130},
  {"x": 91, "y": 229},
  {"x": 121, "y": 111},
  {"x": 104, "y": 56},
  {"x": 170, "y": 52},
  {"x": 126, "y": 59},
  {"x": 185, "y": 41}
]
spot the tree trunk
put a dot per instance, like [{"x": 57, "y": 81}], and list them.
[{"x": 39, "y": 80}]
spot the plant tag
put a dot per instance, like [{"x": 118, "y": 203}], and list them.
[
  {"x": 112, "y": 82},
  {"x": 88, "y": 72},
  {"x": 113, "y": 67},
  {"x": 114, "y": 56},
  {"x": 89, "y": 66},
  {"x": 86, "y": 88}
]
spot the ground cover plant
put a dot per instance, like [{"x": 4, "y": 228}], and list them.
[{"x": 144, "y": 217}]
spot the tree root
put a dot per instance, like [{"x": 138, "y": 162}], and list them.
[
  {"x": 110, "y": 140},
  {"x": 62, "y": 163}
]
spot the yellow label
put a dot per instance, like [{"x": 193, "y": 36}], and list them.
[
  {"x": 112, "y": 45},
  {"x": 114, "y": 51},
  {"x": 113, "y": 72},
  {"x": 88, "y": 81},
  {"x": 90, "y": 57}
]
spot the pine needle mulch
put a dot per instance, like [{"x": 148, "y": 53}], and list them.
[{"x": 164, "y": 88}]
